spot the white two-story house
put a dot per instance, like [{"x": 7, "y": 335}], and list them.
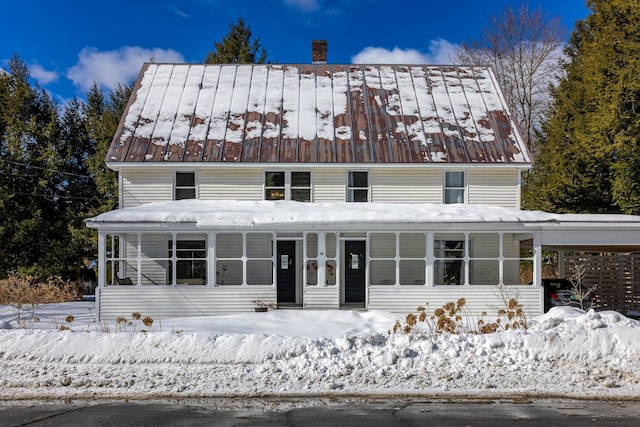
[{"x": 324, "y": 187}]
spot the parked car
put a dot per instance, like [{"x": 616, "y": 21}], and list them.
[{"x": 559, "y": 292}]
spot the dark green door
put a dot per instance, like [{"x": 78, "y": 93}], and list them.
[
  {"x": 286, "y": 271},
  {"x": 354, "y": 271}
]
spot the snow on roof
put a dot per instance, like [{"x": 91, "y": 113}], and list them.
[
  {"x": 233, "y": 213},
  {"x": 317, "y": 114}
]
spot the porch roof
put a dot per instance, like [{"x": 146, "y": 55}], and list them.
[{"x": 233, "y": 214}]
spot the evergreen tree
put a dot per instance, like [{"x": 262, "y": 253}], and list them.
[
  {"x": 237, "y": 47},
  {"x": 589, "y": 145},
  {"x": 52, "y": 174},
  {"x": 102, "y": 117},
  {"x": 31, "y": 210}
]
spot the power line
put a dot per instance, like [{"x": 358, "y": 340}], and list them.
[
  {"x": 45, "y": 169},
  {"x": 18, "y": 193}
]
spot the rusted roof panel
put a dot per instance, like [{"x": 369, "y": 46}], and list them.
[{"x": 317, "y": 114}]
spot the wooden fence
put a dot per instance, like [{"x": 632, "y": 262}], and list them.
[{"x": 617, "y": 276}]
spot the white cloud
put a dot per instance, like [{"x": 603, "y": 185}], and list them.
[
  {"x": 174, "y": 9},
  {"x": 41, "y": 75},
  {"x": 303, "y": 5},
  {"x": 440, "y": 52},
  {"x": 113, "y": 67}
]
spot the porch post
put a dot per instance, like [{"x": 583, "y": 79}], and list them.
[
  {"x": 139, "y": 259},
  {"x": 561, "y": 267},
  {"x": 102, "y": 265},
  {"x": 429, "y": 259},
  {"x": 322, "y": 259},
  {"x": 174, "y": 259},
  {"x": 211, "y": 259},
  {"x": 537, "y": 259}
]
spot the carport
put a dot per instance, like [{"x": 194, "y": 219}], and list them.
[{"x": 607, "y": 246}]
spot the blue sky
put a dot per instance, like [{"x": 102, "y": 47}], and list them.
[{"x": 68, "y": 44}]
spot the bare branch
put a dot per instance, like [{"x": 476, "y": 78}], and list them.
[{"x": 525, "y": 49}]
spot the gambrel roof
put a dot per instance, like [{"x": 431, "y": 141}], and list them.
[{"x": 317, "y": 114}]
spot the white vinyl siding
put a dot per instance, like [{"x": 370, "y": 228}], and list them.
[
  {"x": 406, "y": 185},
  {"x": 328, "y": 185},
  {"x": 141, "y": 186},
  {"x": 491, "y": 186},
  {"x": 162, "y": 302},
  {"x": 498, "y": 187},
  {"x": 231, "y": 184}
]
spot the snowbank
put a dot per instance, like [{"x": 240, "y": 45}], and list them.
[{"x": 288, "y": 352}]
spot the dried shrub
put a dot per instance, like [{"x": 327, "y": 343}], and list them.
[
  {"x": 510, "y": 317},
  {"x": 147, "y": 321},
  {"x": 450, "y": 319},
  {"x": 27, "y": 292},
  {"x": 132, "y": 325}
]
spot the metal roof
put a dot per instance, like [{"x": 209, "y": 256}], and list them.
[{"x": 317, "y": 114}]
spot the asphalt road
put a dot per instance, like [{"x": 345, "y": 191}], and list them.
[{"x": 319, "y": 412}]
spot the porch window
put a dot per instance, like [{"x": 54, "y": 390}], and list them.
[
  {"x": 331, "y": 272},
  {"x": 382, "y": 262},
  {"x": 358, "y": 186},
  {"x": 484, "y": 262},
  {"x": 185, "y": 185},
  {"x": 517, "y": 252},
  {"x": 244, "y": 259},
  {"x": 412, "y": 251},
  {"x": 191, "y": 263},
  {"x": 454, "y": 185},
  {"x": 229, "y": 264},
  {"x": 295, "y": 185},
  {"x": 484, "y": 258},
  {"x": 311, "y": 255},
  {"x": 449, "y": 251}
]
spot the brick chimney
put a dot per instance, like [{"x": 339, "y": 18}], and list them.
[{"x": 319, "y": 52}]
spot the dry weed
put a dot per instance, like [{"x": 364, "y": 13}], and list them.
[
  {"x": 450, "y": 319},
  {"x": 25, "y": 293}
]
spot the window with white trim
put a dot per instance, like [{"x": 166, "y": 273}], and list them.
[
  {"x": 454, "y": 185},
  {"x": 290, "y": 185},
  {"x": 191, "y": 262},
  {"x": 358, "y": 186},
  {"x": 185, "y": 185}
]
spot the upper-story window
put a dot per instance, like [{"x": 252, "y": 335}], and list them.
[
  {"x": 287, "y": 186},
  {"x": 454, "y": 185},
  {"x": 185, "y": 185},
  {"x": 358, "y": 186}
]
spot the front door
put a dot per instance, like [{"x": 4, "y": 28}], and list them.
[
  {"x": 354, "y": 271},
  {"x": 286, "y": 271}
]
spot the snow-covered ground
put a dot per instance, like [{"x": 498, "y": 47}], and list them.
[{"x": 566, "y": 352}]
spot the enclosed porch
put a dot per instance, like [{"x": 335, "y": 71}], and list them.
[
  {"x": 194, "y": 258},
  {"x": 196, "y": 273}
]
